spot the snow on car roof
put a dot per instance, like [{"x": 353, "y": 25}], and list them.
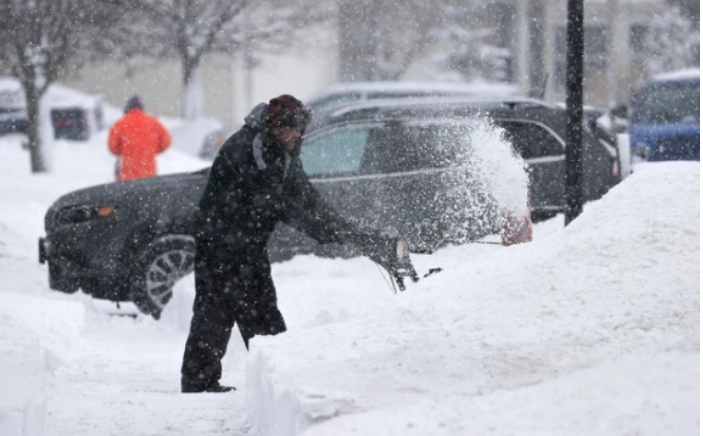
[
  {"x": 436, "y": 101},
  {"x": 62, "y": 96},
  {"x": 688, "y": 73},
  {"x": 478, "y": 87},
  {"x": 9, "y": 83},
  {"x": 11, "y": 94}
]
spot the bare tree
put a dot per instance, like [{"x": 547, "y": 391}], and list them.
[
  {"x": 670, "y": 42},
  {"x": 38, "y": 39},
  {"x": 190, "y": 29},
  {"x": 470, "y": 51}
]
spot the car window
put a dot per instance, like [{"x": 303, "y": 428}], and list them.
[
  {"x": 441, "y": 145},
  {"x": 336, "y": 153},
  {"x": 399, "y": 147},
  {"x": 668, "y": 102},
  {"x": 531, "y": 140},
  {"x": 389, "y": 151}
]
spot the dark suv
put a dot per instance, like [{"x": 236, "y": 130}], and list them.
[{"x": 380, "y": 164}]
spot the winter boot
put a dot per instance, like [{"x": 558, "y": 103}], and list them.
[{"x": 216, "y": 388}]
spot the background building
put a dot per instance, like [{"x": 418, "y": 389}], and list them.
[{"x": 527, "y": 37}]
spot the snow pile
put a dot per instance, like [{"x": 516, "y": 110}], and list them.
[
  {"x": 35, "y": 339},
  {"x": 594, "y": 329},
  {"x": 42, "y": 331},
  {"x": 24, "y": 365}
]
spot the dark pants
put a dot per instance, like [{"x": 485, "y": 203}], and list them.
[{"x": 232, "y": 285}]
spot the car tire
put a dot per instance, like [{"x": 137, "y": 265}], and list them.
[{"x": 158, "y": 267}]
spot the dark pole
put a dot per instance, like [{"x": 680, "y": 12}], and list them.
[{"x": 574, "y": 110}]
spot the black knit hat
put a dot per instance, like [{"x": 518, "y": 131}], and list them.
[
  {"x": 134, "y": 102},
  {"x": 287, "y": 111}
]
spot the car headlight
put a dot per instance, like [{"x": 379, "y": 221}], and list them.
[{"x": 79, "y": 214}]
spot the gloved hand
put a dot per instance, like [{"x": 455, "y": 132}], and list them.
[
  {"x": 381, "y": 248},
  {"x": 389, "y": 250}
]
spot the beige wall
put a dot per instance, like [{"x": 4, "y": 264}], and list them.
[
  {"x": 156, "y": 82},
  {"x": 311, "y": 65},
  {"x": 302, "y": 70}
]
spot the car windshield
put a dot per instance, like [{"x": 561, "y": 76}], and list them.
[{"x": 671, "y": 102}]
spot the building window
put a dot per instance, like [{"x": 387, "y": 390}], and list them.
[
  {"x": 638, "y": 39},
  {"x": 595, "y": 40},
  {"x": 507, "y": 36}
]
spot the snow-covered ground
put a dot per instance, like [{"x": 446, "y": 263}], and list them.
[
  {"x": 66, "y": 366},
  {"x": 592, "y": 329}
]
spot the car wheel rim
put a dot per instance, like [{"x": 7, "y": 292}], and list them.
[{"x": 164, "y": 271}]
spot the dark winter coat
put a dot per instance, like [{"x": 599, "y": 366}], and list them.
[{"x": 253, "y": 185}]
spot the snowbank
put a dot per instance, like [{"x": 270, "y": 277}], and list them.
[
  {"x": 592, "y": 330},
  {"x": 641, "y": 394},
  {"x": 42, "y": 330},
  {"x": 35, "y": 339}
]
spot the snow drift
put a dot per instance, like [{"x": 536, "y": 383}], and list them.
[{"x": 594, "y": 329}]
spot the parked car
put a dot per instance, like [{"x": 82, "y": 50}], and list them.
[
  {"x": 380, "y": 164},
  {"x": 665, "y": 123},
  {"x": 346, "y": 93},
  {"x": 70, "y": 123},
  {"x": 74, "y": 115},
  {"x": 343, "y": 94}
]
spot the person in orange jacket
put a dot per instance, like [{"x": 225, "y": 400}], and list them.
[{"x": 136, "y": 139}]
